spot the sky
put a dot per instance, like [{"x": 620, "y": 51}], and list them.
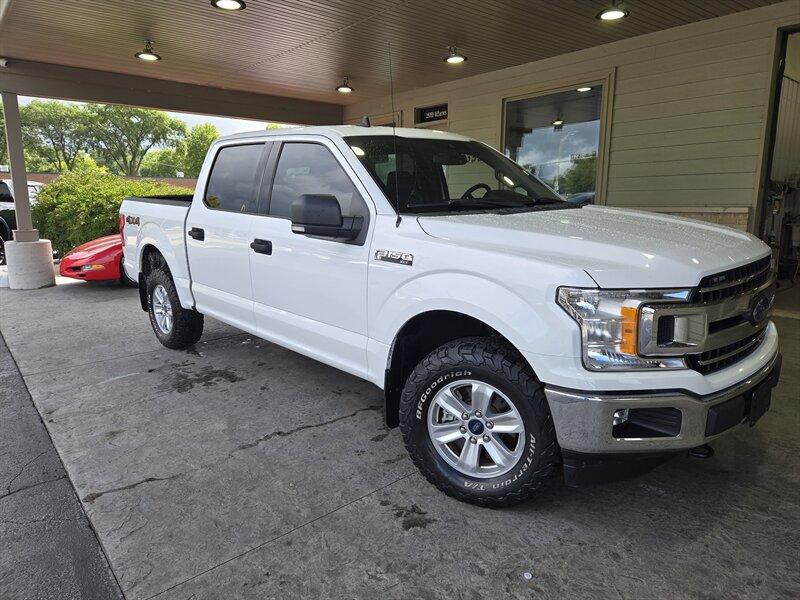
[{"x": 224, "y": 125}]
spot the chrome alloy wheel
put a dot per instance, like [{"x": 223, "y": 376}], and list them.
[
  {"x": 476, "y": 429},
  {"x": 162, "y": 309}
]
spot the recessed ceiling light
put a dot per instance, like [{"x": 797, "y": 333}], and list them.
[
  {"x": 455, "y": 57},
  {"x": 584, "y": 88},
  {"x": 612, "y": 14},
  {"x": 228, "y": 4},
  {"x": 147, "y": 54},
  {"x": 344, "y": 87}
]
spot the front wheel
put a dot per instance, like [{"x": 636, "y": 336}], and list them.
[
  {"x": 175, "y": 327},
  {"x": 476, "y": 423}
]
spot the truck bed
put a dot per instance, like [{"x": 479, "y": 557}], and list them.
[
  {"x": 159, "y": 221},
  {"x": 178, "y": 199}
]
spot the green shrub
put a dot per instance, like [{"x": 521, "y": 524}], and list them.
[{"x": 83, "y": 205}]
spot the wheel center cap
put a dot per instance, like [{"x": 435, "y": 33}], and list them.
[{"x": 475, "y": 427}]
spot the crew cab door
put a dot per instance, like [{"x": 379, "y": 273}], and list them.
[
  {"x": 310, "y": 292},
  {"x": 218, "y": 233}
]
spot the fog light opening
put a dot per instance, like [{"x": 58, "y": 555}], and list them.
[
  {"x": 621, "y": 416},
  {"x": 650, "y": 422}
]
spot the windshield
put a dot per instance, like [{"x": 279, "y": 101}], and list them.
[{"x": 442, "y": 176}]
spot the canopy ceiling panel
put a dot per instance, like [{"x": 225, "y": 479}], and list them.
[{"x": 303, "y": 48}]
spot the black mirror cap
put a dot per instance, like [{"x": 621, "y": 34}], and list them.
[{"x": 317, "y": 210}]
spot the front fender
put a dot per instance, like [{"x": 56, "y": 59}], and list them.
[{"x": 536, "y": 325}]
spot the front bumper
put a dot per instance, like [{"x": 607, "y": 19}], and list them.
[{"x": 583, "y": 420}]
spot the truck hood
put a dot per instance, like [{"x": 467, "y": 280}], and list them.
[{"x": 618, "y": 248}]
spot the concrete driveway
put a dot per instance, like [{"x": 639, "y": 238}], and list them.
[{"x": 240, "y": 469}]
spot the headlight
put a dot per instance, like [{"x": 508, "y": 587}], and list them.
[{"x": 609, "y": 323}]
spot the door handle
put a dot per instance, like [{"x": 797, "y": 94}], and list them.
[
  {"x": 197, "y": 233},
  {"x": 261, "y": 246}
]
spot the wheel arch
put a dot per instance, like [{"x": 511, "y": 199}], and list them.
[
  {"x": 418, "y": 337},
  {"x": 5, "y": 230},
  {"x": 150, "y": 258}
]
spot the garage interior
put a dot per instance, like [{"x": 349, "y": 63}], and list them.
[{"x": 144, "y": 473}]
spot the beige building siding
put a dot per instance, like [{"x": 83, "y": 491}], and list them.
[{"x": 688, "y": 109}]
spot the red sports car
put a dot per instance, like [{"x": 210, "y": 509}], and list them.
[{"x": 98, "y": 260}]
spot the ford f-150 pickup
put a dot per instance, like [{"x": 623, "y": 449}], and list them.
[{"x": 514, "y": 334}]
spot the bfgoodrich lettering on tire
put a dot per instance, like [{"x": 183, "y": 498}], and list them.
[{"x": 476, "y": 423}]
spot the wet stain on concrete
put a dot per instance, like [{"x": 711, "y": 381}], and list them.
[
  {"x": 380, "y": 437},
  {"x": 412, "y": 517},
  {"x": 183, "y": 380}
]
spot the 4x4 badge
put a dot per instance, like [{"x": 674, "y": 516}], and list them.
[{"x": 393, "y": 256}]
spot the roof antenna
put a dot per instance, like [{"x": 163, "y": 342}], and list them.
[{"x": 394, "y": 140}]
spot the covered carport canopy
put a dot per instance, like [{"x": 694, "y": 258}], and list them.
[{"x": 279, "y": 60}]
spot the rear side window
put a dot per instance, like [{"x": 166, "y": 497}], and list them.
[
  {"x": 234, "y": 178},
  {"x": 306, "y": 168}
]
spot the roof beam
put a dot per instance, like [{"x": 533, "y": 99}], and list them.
[{"x": 27, "y": 78}]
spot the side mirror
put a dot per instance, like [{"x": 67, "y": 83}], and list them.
[{"x": 321, "y": 215}]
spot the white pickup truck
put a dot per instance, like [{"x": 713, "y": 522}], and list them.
[{"x": 513, "y": 333}]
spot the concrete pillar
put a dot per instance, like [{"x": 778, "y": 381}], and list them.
[{"x": 29, "y": 259}]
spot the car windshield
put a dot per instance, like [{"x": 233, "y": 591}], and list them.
[{"x": 420, "y": 175}]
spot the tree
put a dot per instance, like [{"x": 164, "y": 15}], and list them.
[
  {"x": 55, "y": 132},
  {"x": 164, "y": 162},
  {"x": 198, "y": 142},
  {"x": 580, "y": 177},
  {"x": 123, "y": 135}
]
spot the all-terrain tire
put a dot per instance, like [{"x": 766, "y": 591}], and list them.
[
  {"x": 187, "y": 324},
  {"x": 493, "y": 361}
]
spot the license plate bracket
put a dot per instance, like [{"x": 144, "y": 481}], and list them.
[{"x": 759, "y": 399}]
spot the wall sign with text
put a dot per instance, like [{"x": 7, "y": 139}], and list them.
[{"x": 428, "y": 114}]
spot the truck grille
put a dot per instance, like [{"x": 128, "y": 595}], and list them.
[
  {"x": 719, "y": 326},
  {"x": 721, "y": 286},
  {"x": 719, "y": 358},
  {"x": 733, "y": 281}
]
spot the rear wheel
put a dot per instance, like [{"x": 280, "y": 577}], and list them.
[
  {"x": 476, "y": 423},
  {"x": 175, "y": 327}
]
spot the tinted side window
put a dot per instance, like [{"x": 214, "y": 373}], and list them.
[
  {"x": 234, "y": 177},
  {"x": 305, "y": 168}
]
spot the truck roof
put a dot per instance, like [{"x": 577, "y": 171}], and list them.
[{"x": 349, "y": 130}]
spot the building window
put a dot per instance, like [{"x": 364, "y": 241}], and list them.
[{"x": 557, "y": 138}]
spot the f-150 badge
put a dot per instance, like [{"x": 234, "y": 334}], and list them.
[{"x": 393, "y": 256}]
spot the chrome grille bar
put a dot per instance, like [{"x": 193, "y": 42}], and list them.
[
  {"x": 735, "y": 282},
  {"x": 722, "y": 324}
]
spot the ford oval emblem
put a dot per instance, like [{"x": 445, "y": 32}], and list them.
[{"x": 759, "y": 309}]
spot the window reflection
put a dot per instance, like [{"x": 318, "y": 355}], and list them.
[{"x": 556, "y": 137}]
